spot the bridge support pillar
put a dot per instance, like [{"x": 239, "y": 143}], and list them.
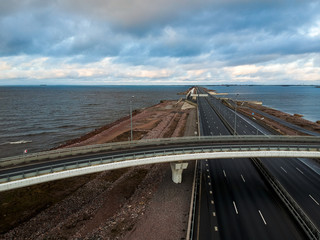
[{"x": 177, "y": 169}]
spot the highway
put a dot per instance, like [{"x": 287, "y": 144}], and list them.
[
  {"x": 237, "y": 201},
  {"x": 290, "y": 125},
  {"x": 246, "y": 208},
  {"x": 298, "y": 179},
  {"x": 25, "y": 170}
]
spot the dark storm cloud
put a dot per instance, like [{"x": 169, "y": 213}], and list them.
[{"x": 141, "y": 32}]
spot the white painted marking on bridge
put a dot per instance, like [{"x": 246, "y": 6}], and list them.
[
  {"x": 210, "y": 192},
  {"x": 213, "y": 214},
  {"x": 299, "y": 170},
  {"x": 224, "y": 173},
  {"x": 235, "y": 207},
  {"x": 207, "y": 170},
  {"x": 216, "y": 228},
  {"x": 264, "y": 221},
  {"x": 212, "y": 202},
  {"x": 243, "y": 178},
  {"x": 314, "y": 199},
  {"x": 207, "y": 165},
  {"x": 209, "y": 183},
  {"x": 208, "y": 176},
  {"x": 283, "y": 169}
]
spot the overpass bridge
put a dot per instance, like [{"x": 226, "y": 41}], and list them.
[{"x": 30, "y": 169}]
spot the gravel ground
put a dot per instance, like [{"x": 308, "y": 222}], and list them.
[
  {"x": 167, "y": 214},
  {"x": 133, "y": 203}
]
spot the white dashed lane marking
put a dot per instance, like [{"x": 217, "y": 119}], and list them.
[
  {"x": 264, "y": 221},
  {"x": 283, "y": 169},
  {"x": 235, "y": 207},
  {"x": 243, "y": 178},
  {"x": 314, "y": 199}
]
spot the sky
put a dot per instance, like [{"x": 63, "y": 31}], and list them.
[{"x": 185, "y": 42}]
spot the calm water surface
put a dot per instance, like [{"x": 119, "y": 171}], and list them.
[{"x": 40, "y": 118}]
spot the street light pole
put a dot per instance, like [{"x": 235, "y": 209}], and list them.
[
  {"x": 235, "y": 116},
  {"x": 131, "y": 133}
]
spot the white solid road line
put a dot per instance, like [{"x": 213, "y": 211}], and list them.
[
  {"x": 243, "y": 178},
  {"x": 313, "y": 199},
  {"x": 235, "y": 207},
  {"x": 299, "y": 170},
  {"x": 224, "y": 173},
  {"x": 283, "y": 169},
  {"x": 265, "y": 223}
]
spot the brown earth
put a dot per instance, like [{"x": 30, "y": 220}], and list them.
[
  {"x": 279, "y": 128},
  {"x": 130, "y": 203}
]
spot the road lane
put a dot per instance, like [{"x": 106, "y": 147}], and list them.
[
  {"x": 286, "y": 170},
  {"x": 239, "y": 201}
]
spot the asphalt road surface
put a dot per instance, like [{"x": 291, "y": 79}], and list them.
[
  {"x": 300, "y": 180},
  {"x": 245, "y": 207}
]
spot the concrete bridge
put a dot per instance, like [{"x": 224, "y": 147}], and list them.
[{"x": 29, "y": 169}]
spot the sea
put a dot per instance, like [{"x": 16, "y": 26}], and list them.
[{"x": 38, "y": 118}]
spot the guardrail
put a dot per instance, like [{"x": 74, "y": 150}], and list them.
[
  {"x": 301, "y": 217},
  {"x": 193, "y": 202},
  {"x": 66, "y": 152},
  {"x": 76, "y": 167}
]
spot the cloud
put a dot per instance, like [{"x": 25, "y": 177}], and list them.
[
  {"x": 140, "y": 40},
  {"x": 286, "y": 70}
]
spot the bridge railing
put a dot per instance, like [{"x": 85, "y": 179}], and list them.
[
  {"x": 53, "y": 167},
  {"x": 65, "y": 152}
]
